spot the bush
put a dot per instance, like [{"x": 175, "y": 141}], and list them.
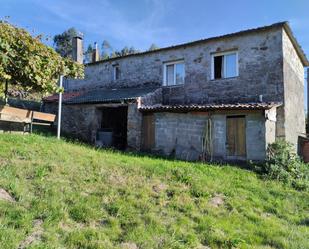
[{"x": 284, "y": 165}]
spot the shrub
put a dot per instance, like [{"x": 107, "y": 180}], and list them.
[{"x": 284, "y": 165}]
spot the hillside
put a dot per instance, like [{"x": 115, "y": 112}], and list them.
[{"x": 68, "y": 195}]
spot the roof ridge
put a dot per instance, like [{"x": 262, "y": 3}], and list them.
[{"x": 241, "y": 32}]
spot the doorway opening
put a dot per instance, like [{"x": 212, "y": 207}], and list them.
[
  {"x": 148, "y": 132},
  {"x": 236, "y": 137},
  {"x": 113, "y": 132}
]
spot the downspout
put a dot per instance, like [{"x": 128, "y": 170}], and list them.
[{"x": 307, "y": 95}]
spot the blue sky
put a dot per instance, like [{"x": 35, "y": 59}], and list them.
[{"x": 139, "y": 23}]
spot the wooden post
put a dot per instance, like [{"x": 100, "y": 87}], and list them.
[{"x": 31, "y": 124}]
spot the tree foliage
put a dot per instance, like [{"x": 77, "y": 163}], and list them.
[
  {"x": 125, "y": 51},
  {"x": 26, "y": 62},
  {"x": 153, "y": 47},
  {"x": 284, "y": 165},
  {"x": 63, "y": 42}
]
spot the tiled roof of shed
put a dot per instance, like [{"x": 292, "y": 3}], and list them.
[
  {"x": 109, "y": 95},
  {"x": 209, "y": 107}
]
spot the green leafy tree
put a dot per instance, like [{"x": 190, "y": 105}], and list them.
[
  {"x": 88, "y": 54},
  {"x": 27, "y": 63},
  {"x": 63, "y": 42}
]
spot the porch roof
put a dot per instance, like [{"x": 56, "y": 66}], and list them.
[
  {"x": 210, "y": 107},
  {"x": 102, "y": 95}
]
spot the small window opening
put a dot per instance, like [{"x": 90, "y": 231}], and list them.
[
  {"x": 218, "y": 67},
  {"x": 116, "y": 72},
  {"x": 225, "y": 65},
  {"x": 174, "y": 73}
]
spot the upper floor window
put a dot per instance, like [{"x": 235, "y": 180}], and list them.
[
  {"x": 116, "y": 72},
  {"x": 174, "y": 73},
  {"x": 224, "y": 65}
]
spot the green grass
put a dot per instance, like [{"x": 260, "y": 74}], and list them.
[{"x": 91, "y": 198}]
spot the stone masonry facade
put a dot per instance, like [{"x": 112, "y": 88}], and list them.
[{"x": 271, "y": 69}]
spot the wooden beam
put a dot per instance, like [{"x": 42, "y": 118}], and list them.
[{"x": 44, "y": 116}]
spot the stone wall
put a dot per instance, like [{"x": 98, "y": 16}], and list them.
[
  {"x": 83, "y": 122},
  {"x": 268, "y": 66},
  {"x": 260, "y": 70},
  {"x": 293, "y": 73},
  {"x": 80, "y": 121},
  {"x": 134, "y": 127}
]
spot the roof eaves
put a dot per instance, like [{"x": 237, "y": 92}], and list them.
[
  {"x": 242, "y": 32},
  {"x": 296, "y": 45},
  {"x": 209, "y": 107},
  {"x": 98, "y": 101}
]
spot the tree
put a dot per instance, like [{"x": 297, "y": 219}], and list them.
[
  {"x": 106, "y": 49},
  {"x": 63, "y": 42},
  {"x": 88, "y": 54},
  {"x": 132, "y": 50},
  {"x": 153, "y": 47},
  {"x": 26, "y": 62},
  {"x": 124, "y": 51}
]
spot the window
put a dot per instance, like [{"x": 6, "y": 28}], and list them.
[
  {"x": 116, "y": 72},
  {"x": 224, "y": 65},
  {"x": 174, "y": 73}
]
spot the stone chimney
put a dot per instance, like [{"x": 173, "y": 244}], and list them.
[
  {"x": 95, "y": 53},
  {"x": 77, "y": 48}
]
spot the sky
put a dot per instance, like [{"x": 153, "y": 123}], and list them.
[{"x": 139, "y": 23}]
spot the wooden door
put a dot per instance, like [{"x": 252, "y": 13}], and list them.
[
  {"x": 148, "y": 132},
  {"x": 236, "y": 136}
]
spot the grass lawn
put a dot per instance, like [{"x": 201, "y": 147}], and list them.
[{"x": 70, "y": 195}]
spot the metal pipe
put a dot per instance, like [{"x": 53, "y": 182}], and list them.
[
  {"x": 307, "y": 94},
  {"x": 59, "y": 107}
]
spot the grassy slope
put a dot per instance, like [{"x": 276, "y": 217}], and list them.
[{"x": 100, "y": 199}]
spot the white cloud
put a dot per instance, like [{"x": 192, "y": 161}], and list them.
[{"x": 103, "y": 19}]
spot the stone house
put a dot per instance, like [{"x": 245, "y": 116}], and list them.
[{"x": 221, "y": 98}]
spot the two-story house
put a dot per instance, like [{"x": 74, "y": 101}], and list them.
[{"x": 219, "y": 98}]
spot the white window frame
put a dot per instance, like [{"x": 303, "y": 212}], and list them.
[
  {"x": 224, "y": 64},
  {"x": 165, "y": 70},
  {"x": 115, "y": 72}
]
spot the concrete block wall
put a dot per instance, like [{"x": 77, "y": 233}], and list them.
[
  {"x": 181, "y": 135},
  {"x": 176, "y": 134},
  {"x": 255, "y": 136},
  {"x": 219, "y": 136}
]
